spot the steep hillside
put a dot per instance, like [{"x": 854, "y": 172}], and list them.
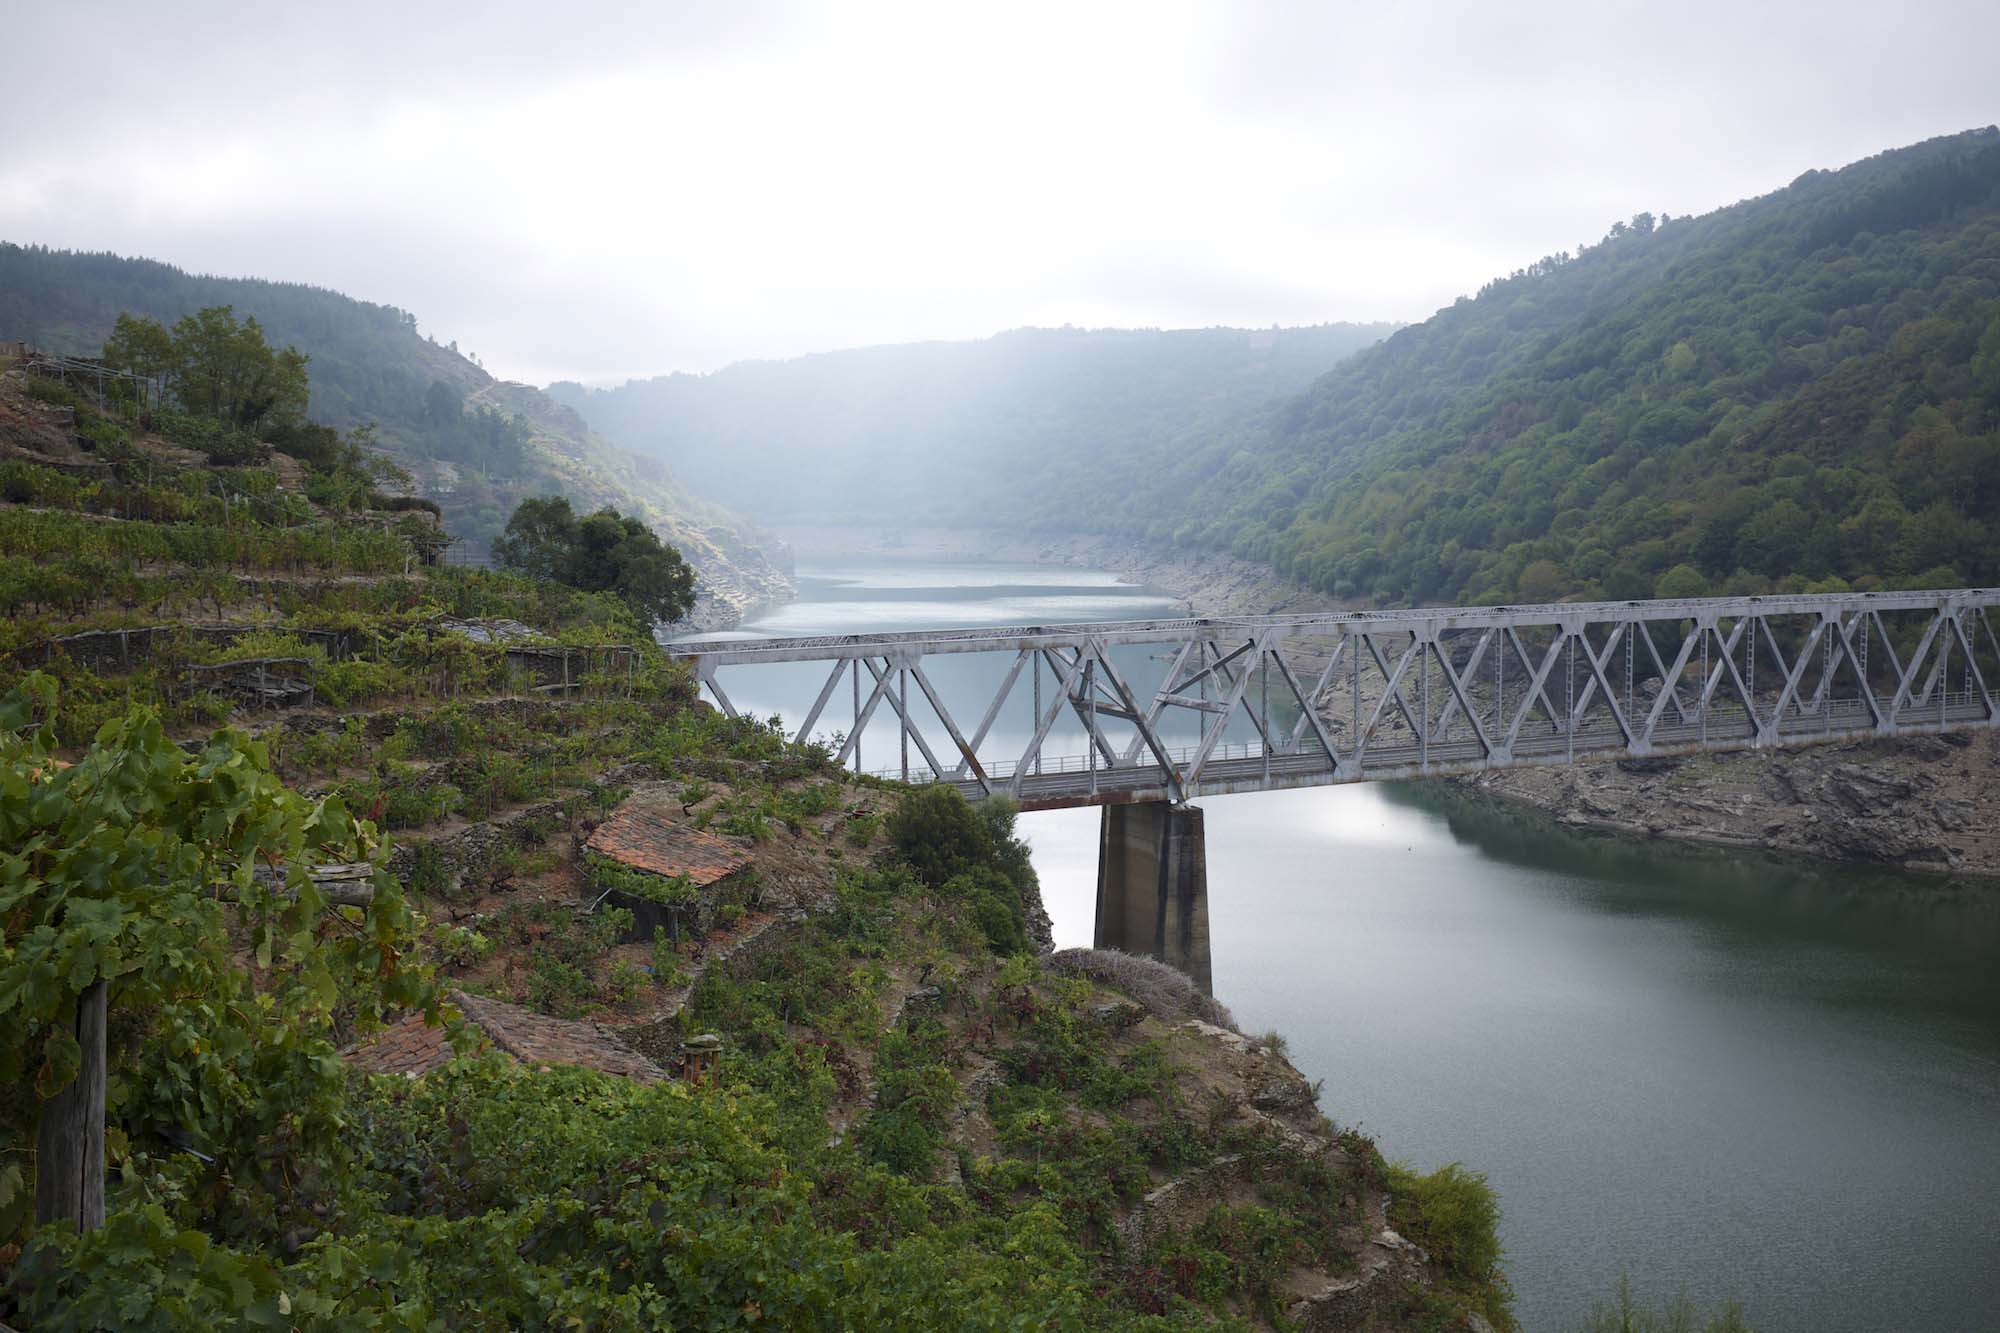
[
  {"x": 1801, "y": 387},
  {"x": 475, "y": 444},
  {"x": 1030, "y": 427},
  {"x": 462, "y": 970}
]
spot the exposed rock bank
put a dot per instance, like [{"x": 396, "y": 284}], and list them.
[{"x": 1924, "y": 802}]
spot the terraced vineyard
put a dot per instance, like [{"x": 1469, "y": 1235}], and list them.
[{"x": 476, "y": 1092}]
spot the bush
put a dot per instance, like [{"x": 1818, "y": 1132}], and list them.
[
  {"x": 937, "y": 834},
  {"x": 995, "y": 907},
  {"x": 225, "y": 445},
  {"x": 356, "y": 679},
  {"x": 1455, "y": 1215}
]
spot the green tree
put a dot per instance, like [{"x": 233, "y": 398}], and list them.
[
  {"x": 140, "y": 345},
  {"x": 223, "y": 368},
  {"x": 1681, "y": 581},
  {"x": 603, "y": 552},
  {"x": 540, "y": 539},
  {"x": 1543, "y": 581},
  {"x": 217, "y": 366}
]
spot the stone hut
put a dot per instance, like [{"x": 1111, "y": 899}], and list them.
[{"x": 642, "y": 835}]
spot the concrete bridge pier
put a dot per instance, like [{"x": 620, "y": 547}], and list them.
[{"x": 1152, "y": 886}]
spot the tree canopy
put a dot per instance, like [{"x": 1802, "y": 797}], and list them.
[
  {"x": 216, "y": 365},
  {"x": 601, "y": 552}
]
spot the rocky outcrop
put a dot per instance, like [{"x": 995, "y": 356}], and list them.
[{"x": 1922, "y": 802}]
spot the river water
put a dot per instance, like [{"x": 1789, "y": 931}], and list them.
[{"x": 1718, "y": 1074}]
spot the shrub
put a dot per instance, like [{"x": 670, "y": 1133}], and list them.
[
  {"x": 1454, "y": 1214},
  {"x": 995, "y": 907},
  {"x": 937, "y": 833},
  {"x": 356, "y": 679},
  {"x": 52, "y": 391}
]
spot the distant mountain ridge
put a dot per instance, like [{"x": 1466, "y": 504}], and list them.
[
  {"x": 1798, "y": 388},
  {"x": 474, "y": 443},
  {"x": 989, "y": 431}
]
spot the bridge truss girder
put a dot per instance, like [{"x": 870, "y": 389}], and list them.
[{"x": 1415, "y": 693}]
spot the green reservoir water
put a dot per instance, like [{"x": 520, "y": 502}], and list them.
[{"x": 1722, "y": 1074}]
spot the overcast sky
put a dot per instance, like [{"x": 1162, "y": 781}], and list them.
[{"x": 595, "y": 191}]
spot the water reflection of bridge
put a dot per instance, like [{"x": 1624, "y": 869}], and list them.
[{"x": 1376, "y": 695}]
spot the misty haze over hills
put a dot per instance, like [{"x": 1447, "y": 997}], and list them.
[{"x": 990, "y": 432}]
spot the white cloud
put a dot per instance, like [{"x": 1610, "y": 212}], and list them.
[{"x": 598, "y": 191}]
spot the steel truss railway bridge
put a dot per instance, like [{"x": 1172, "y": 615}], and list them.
[{"x": 1365, "y": 696}]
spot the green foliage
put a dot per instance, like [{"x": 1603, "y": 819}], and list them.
[
  {"x": 603, "y": 552},
  {"x": 569, "y": 968},
  {"x": 971, "y": 855},
  {"x": 1756, "y": 395},
  {"x": 915, "y": 1092},
  {"x": 241, "y": 546},
  {"x": 219, "y": 367},
  {"x": 995, "y": 905},
  {"x": 937, "y": 833},
  {"x": 1454, "y": 1214},
  {"x": 606, "y": 874},
  {"x": 136, "y": 865}
]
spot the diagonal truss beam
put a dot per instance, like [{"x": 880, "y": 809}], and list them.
[
  {"x": 883, "y": 675},
  {"x": 1213, "y": 733},
  {"x": 969, "y": 758},
  {"x": 1309, "y": 709},
  {"x": 1147, "y": 735}
]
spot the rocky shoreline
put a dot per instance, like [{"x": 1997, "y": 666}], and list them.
[{"x": 1929, "y": 803}]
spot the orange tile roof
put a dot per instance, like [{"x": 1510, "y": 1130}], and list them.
[
  {"x": 640, "y": 834},
  {"x": 409, "y": 1047}
]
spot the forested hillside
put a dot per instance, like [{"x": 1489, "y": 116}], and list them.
[
  {"x": 1798, "y": 388},
  {"x": 475, "y": 444},
  {"x": 986, "y": 431}
]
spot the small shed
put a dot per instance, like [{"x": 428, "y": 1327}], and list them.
[{"x": 643, "y": 834}]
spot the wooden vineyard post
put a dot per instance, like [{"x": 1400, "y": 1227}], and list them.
[{"x": 69, "y": 1141}]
